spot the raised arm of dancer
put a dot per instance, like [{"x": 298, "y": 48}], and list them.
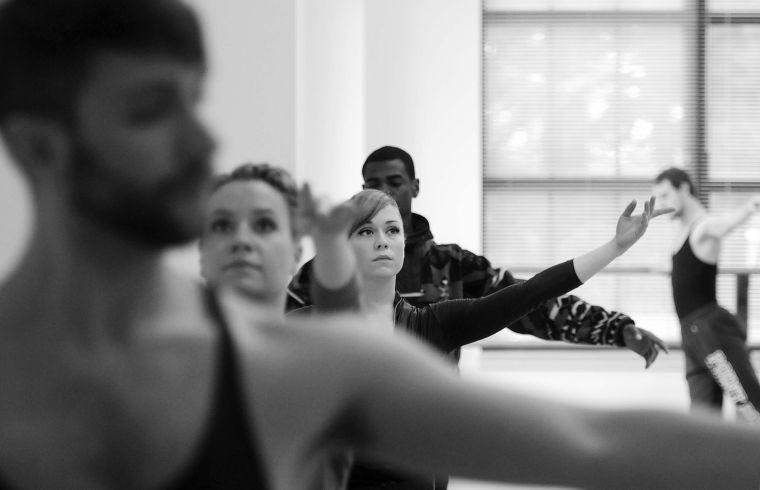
[
  {"x": 335, "y": 263},
  {"x": 459, "y": 322},
  {"x": 721, "y": 225},
  {"x": 629, "y": 229}
]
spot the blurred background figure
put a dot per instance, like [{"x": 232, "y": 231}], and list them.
[{"x": 714, "y": 341}]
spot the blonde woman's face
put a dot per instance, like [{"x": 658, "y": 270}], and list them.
[
  {"x": 379, "y": 244},
  {"x": 247, "y": 240}
]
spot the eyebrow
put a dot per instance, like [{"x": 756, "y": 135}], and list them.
[{"x": 390, "y": 176}]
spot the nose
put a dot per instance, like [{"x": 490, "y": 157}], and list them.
[
  {"x": 381, "y": 241},
  {"x": 195, "y": 141},
  {"x": 242, "y": 241},
  {"x": 385, "y": 188},
  {"x": 200, "y": 137}
]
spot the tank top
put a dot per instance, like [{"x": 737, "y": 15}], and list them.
[
  {"x": 692, "y": 279},
  {"x": 226, "y": 457}
]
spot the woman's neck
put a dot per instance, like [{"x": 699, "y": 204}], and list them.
[
  {"x": 263, "y": 305},
  {"x": 378, "y": 293}
]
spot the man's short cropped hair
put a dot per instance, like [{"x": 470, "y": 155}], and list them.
[
  {"x": 388, "y": 153},
  {"x": 47, "y": 46}
]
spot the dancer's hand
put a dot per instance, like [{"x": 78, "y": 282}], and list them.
[
  {"x": 643, "y": 342},
  {"x": 328, "y": 225},
  {"x": 632, "y": 227},
  {"x": 321, "y": 219}
]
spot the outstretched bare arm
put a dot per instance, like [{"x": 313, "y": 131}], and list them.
[{"x": 720, "y": 226}]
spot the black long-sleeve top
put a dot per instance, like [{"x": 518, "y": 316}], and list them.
[{"x": 447, "y": 325}]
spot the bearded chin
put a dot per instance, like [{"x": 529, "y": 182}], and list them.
[{"x": 142, "y": 216}]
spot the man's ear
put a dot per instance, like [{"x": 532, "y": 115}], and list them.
[
  {"x": 415, "y": 187},
  {"x": 39, "y": 145}
]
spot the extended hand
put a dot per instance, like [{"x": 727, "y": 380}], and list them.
[
  {"x": 320, "y": 218},
  {"x": 631, "y": 228},
  {"x": 643, "y": 342}
]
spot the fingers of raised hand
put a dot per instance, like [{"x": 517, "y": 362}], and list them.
[
  {"x": 306, "y": 205},
  {"x": 317, "y": 213},
  {"x": 305, "y": 198},
  {"x": 344, "y": 213},
  {"x": 629, "y": 209}
]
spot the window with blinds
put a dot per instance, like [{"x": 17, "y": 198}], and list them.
[{"x": 584, "y": 102}]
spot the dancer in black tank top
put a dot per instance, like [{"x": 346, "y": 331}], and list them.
[
  {"x": 714, "y": 341},
  {"x": 693, "y": 280},
  {"x": 227, "y": 457}
]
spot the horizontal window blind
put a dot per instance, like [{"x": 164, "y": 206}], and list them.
[
  {"x": 733, "y": 7},
  {"x": 584, "y": 102},
  {"x": 732, "y": 166}
]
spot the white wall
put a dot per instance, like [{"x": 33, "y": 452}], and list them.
[
  {"x": 250, "y": 98},
  {"x": 423, "y": 94},
  {"x": 251, "y": 85},
  {"x": 315, "y": 86},
  {"x": 394, "y": 72},
  {"x": 330, "y": 95}
]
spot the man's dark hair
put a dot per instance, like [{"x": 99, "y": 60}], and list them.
[
  {"x": 676, "y": 177},
  {"x": 388, "y": 153},
  {"x": 47, "y": 46}
]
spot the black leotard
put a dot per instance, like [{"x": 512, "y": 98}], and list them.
[
  {"x": 226, "y": 457},
  {"x": 693, "y": 281}
]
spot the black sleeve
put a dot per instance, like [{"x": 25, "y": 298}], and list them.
[{"x": 460, "y": 322}]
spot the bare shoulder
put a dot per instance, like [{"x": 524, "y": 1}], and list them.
[
  {"x": 318, "y": 344},
  {"x": 698, "y": 231},
  {"x": 706, "y": 245},
  {"x": 327, "y": 358},
  {"x": 308, "y": 380}
]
